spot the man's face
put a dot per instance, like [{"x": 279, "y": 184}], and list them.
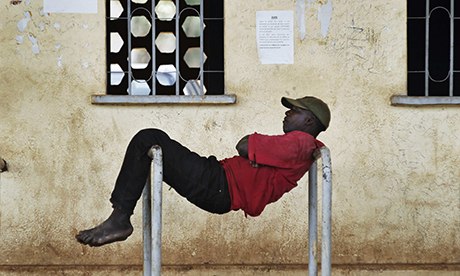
[{"x": 296, "y": 119}]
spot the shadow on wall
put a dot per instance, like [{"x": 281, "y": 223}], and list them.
[{"x": 3, "y": 165}]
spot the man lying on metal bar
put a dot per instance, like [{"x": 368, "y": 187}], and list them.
[{"x": 267, "y": 167}]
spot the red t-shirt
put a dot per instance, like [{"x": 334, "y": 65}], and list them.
[{"x": 282, "y": 160}]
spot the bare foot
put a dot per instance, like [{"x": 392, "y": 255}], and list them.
[{"x": 111, "y": 230}]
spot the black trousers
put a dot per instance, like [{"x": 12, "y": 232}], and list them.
[{"x": 200, "y": 179}]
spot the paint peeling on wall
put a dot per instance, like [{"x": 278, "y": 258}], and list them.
[
  {"x": 22, "y": 24},
  {"x": 43, "y": 13},
  {"x": 324, "y": 17},
  {"x": 41, "y": 26},
  {"x": 59, "y": 61},
  {"x": 57, "y": 26},
  {"x": 34, "y": 41},
  {"x": 300, "y": 10},
  {"x": 19, "y": 39}
]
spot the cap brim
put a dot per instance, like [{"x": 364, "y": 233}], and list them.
[
  {"x": 289, "y": 103},
  {"x": 286, "y": 102}
]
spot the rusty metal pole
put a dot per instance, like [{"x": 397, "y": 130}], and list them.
[
  {"x": 326, "y": 212},
  {"x": 313, "y": 219},
  {"x": 151, "y": 212},
  {"x": 326, "y": 246}
]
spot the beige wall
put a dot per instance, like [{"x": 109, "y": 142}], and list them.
[{"x": 396, "y": 170}]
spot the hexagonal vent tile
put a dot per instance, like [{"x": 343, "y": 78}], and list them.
[
  {"x": 193, "y": 87},
  {"x": 166, "y": 74},
  {"x": 116, "y": 9},
  {"x": 193, "y": 57},
  {"x": 116, "y": 42},
  {"x": 165, "y": 10},
  {"x": 140, "y": 58},
  {"x": 140, "y": 26},
  {"x": 140, "y": 88},
  {"x": 192, "y": 2},
  {"x": 192, "y": 26},
  {"x": 116, "y": 74},
  {"x": 166, "y": 42}
]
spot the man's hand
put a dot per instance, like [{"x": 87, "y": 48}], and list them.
[{"x": 242, "y": 147}]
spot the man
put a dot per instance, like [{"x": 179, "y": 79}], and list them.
[{"x": 265, "y": 169}]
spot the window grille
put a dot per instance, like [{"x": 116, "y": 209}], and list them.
[
  {"x": 433, "y": 40},
  {"x": 165, "y": 47}
]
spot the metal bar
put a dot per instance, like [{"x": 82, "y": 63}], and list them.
[
  {"x": 427, "y": 47},
  {"x": 152, "y": 214},
  {"x": 326, "y": 212},
  {"x": 129, "y": 46},
  {"x": 177, "y": 47},
  {"x": 147, "y": 227},
  {"x": 202, "y": 47},
  {"x": 312, "y": 219},
  {"x": 154, "y": 55},
  {"x": 451, "y": 79},
  {"x": 324, "y": 154}
]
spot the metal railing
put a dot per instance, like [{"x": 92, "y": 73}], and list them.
[
  {"x": 151, "y": 212},
  {"x": 325, "y": 155}
]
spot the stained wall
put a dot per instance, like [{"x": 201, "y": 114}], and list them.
[{"x": 396, "y": 176}]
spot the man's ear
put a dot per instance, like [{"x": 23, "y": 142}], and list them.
[{"x": 308, "y": 121}]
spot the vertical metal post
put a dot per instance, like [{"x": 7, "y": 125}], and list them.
[
  {"x": 147, "y": 227},
  {"x": 452, "y": 43},
  {"x": 427, "y": 47},
  {"x": 128, "y": 17},
  {"x": 312, "y": 219},
  {"x": 201, "y": 47},
  {"x": 323, "y": 153},
  {"x": 154, "y": 49},
  {"x": 152, "y": 217},
  {"x": 326, "y": 212},
  {"x": 177, "y": 30}
]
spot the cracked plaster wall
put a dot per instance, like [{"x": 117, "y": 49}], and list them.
[{"x": 395, "y": 169}]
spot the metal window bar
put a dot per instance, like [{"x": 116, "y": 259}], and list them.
[
  {"x": 153, "y": 74},
  {"x": 129, "y": 16},
  {"x": 201, "y": 76},
  {"x": 129, "y": 42},
  {"x": 152, "y": 217},
  {"x": 427, "y": 47},
  {"x": 324, "y": 154},
  {"x": 177, "y": 30},
  {"x": 452, "y": 31}
]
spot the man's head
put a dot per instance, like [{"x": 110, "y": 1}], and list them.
[{"x": 308, "y": 114}]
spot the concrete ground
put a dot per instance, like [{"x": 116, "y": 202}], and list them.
[{"x": 225, "y": 271}]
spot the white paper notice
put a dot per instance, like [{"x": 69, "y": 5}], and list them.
[
  {"x": 70, "y": 6},
  {"x": 275, "y": 37}
]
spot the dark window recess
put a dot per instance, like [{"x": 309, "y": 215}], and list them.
[
  {"x": 432, "y": 67},
  {"x": 153, "y": 69}
]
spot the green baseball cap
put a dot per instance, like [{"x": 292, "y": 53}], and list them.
[{"x": 315, "y": 105}]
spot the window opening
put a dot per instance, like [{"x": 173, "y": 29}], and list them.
[
  {"x": 165, "y": 47},
  {"x": 433, "y": 48}
]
